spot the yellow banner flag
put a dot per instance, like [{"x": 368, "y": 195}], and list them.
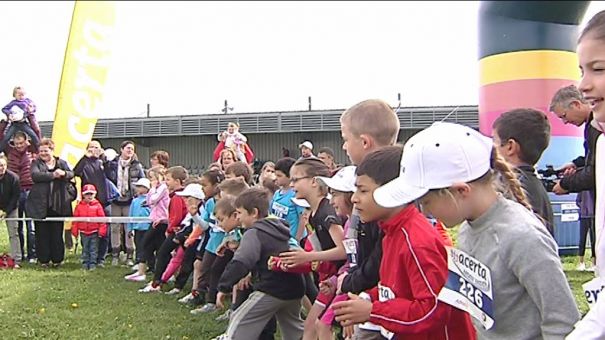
[{"x": 85, "y": 68}]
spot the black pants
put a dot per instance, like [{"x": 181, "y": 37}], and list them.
[
  {"x": 587, "y": 228},
  {"x": 139, "y": 238},
  {"x": 204, "y": 278},
  {"x": 49, "y": 241},
  {"x": 163, "y": 258},
  {"x": 268, "y": 332},
  {"x": 217, "y": 269},
  {"x": 152, "y": 242},
  {"x": 186, "y": 266}
]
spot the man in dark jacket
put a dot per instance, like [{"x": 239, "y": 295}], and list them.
[
  {"x": 20, "y": 154},
  {"x": 9, "y": 199},
  {"x": 275, "y": 293}
]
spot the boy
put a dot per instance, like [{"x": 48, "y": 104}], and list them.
[
  {"x": 275, "y": 294},
  {"x": 282, "y": 205},
  {"x": 139, "y": 208},
  {"x": 241, "y": 170},
  {"x": 413, "y": 268},
  {"x": 89, "y": 231},
  {"x": 177, "y": 210},
  {"x": 521, "y": 136}
]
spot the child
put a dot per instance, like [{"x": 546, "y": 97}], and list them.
[
  {"x": 139, "y": 208},
  {"x": 177, "y": 210},
  {"x": 234, "y": 140},
  {"x": 276, "y": 294},
  {"x": 450, "y": 168},
  {"x": 194, "y": 198},
  {"x": 157, "y": 200},
  {"x": 239, "y": 169},
  {"x": 591, "y": 56},
  {"x": 326, "y": 239},
  {"x": 89, "y": 231},
  {"x": 521, "y": 136},
  {"x": 282, "y": 205},
  {"x": 214, "y": 264},
  {"x": 20, "y": 115},
  {"x": 413, "y": 268}
]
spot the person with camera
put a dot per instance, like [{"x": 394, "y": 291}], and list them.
[{"x": 569, "y": 105}]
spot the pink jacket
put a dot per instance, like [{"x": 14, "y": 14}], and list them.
[{"x": 158, "y": 200}]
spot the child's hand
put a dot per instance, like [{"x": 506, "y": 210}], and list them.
[
  {"x": 244, "y": 283},
  {"x": 353, "y": 311},
  {"x": 155, "y": 223},
  {"x": 296, "y": 257},
  {"x": 326, "y": 287},
  {"x": 348, "y": 332},
  {"x": 2, "y": 214},
  {"x": 232, "y": 245},
  {"x": 220, "y": 251},
  {"x": 220, "y": 297}
]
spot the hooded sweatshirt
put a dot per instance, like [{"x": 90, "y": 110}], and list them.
[{"x": 267, "y": 237}]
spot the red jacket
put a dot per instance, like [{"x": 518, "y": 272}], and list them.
[
  {"x": 221, "y": 145},
  {"x": 413, "y": 270},
  {"x": 177, "y": 210},
  {"x": 92, "y": 209}
]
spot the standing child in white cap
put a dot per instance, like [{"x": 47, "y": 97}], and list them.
[
  {"x": 139, "y": 208},
  {"x": 450, "y": 169}
]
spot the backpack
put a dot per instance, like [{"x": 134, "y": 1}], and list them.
[{"x": 6, "y": 261}]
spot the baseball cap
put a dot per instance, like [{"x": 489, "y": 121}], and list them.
[
  {"x": 343, "y": 180},
  {"x": 301, "y": 202},
  {"x": 193, "y": 190},
  {"x": 436, "y": 158},
  {"x": 306, "y": 144},
  {"x": 89, "y": 189},
  {"x": 143, "y": 182}
]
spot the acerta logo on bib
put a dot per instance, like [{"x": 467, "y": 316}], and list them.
[{"x": 469, "y": 287}]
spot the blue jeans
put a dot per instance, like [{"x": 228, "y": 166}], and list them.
[
  {"x": 31, "y": 236},
  {"x": 90, "y": 246},
  {"x": 104, "y": 241},
  {"x": 19, "y": 126}
]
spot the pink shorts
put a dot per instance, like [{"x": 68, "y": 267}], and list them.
[{"x": 328, "y": 316}]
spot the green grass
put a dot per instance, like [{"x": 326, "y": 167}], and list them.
[{"x": 69, "y": 303}]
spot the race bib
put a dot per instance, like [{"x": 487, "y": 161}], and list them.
[
  {"x": 592, "y": 290},
  {"x": 385, "y": 294},
  {"x": 280, "y": 210},
  {"x": 351, "y": 250},
  {"x": 469, "y": 287}
]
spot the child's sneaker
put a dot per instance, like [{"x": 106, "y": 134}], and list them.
[
  {"x": 101, "y": 264},
  {"x": 223, "y": 336},
  {"x": 173, "y": 291},
  {"x": 207, "y": 308},
  {"x": 115, "y": 261},
  {"x": 187, "y": 298},
  {"x": 225, "y": 316},
  {"x": 138, "y": 278},
  {"x": 135, "y": 267},
  {"x": 149, "y": 288},
  {"x": 92, "y": 267},
  {"x": 130, "y": 263},
  {"x": 581, "y": 267},
  {"x": 131, "y": 275}
]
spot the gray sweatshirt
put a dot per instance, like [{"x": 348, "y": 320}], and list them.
[{"x": 532, "y": 299}]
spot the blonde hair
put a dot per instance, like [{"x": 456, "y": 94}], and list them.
[
  {"x": 375, "y": 118},
  {"x": 158, "y": 172},
  {"x": 15, "y": 89}
]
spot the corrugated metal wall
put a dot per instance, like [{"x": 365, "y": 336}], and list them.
[{"x": 195, "y": 152}]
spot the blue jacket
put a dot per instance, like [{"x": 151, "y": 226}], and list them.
[{"x": 139, "y": 208}]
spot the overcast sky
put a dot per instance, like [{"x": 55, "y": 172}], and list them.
[{"x": 188, "y": 57}]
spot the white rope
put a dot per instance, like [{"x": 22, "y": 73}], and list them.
[{"x": 115, "y": 219}]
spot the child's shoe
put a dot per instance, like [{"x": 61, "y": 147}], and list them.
[
  {"x": 138, "y": 278},
  {"x": 225, "y": 316},
  {"x": 187, "y": 298},
  {"x": 173, "y": 291},
  {"x": 207, "y": 308},
  {"x": 149, "y": 288},
  {"x": 92, "y": 267}
]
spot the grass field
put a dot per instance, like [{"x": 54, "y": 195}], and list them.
[{"x": 69, "y": 303}]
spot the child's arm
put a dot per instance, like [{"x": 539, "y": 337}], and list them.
[
  {"x": 335, "y": 254},
  {"x": 102, "y": 226},
  {"x": 275, "y": 264},
  {"x": 154, "y": 198},
  {"x": 75, "y": 226},
  {"x": 7, "y": 109},
  {"x": 244, "y": 260}
]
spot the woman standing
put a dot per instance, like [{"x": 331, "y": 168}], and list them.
[
  {"x": 124, "y": 172},
  {"x": 50, "y": 196}
]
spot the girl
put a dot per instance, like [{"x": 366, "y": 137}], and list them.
[
  {"x": 157, "y": 200},
  {"x": 20, "y": 114},
  {"x": 451, "y": 169},
  {"x": 206, "y": 252},
  {"x": 234, "y": 140},
  {"x": 327, "y": 234},
  {"x": 267, "y": 172},
  {"x": 591, "y": 55},
  {"x": 227, "y": 158}
]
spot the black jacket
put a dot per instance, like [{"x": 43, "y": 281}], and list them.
[
  {"x": 134, "y": 173},
  {"x": 267, "y": 237},
  {"x": 584, "y": 178},
  {"x": 536, "y": 195},
  {"x": 9, "y": 191},
  {"x": 369, "y": 254},
  {"x": 47, "y": 192},
  {"x": 92, "y": 171}
]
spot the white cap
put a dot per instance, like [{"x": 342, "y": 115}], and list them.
[
  {"x": 143, "y": 182},
  {"x": 301, "y": 202},
  {"x": 110, "y": 154},
  {"x": 436, "y": 158},
  {"x": 193, "y": 190},
  {"x": 306, "y": 144},
  {"x": 343, "y": 180}
]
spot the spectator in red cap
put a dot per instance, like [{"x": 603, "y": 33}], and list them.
[{"x": 89, "y": 231}]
